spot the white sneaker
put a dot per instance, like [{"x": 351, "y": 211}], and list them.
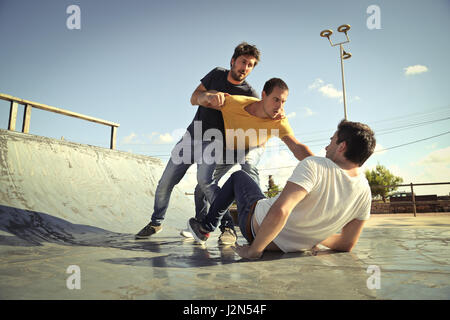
[{"x": 187, "y": 233}]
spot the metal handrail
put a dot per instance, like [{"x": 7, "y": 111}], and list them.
[{"x": 31, "y": 104}]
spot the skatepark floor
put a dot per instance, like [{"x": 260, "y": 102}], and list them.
[{"x": 409, "y": 255}]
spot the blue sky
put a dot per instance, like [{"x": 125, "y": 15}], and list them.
[{"x": 137, "y": 62}]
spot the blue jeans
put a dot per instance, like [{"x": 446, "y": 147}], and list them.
[
  {"x": 252, "y": 158},
  {"x": 240, "y": 187},
  {"x": 175, "y": 171}
]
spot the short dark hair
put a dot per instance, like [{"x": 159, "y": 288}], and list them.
[
  {"x": 272, "y": 83},
  {"x": 246, "y": 49},
  {"x": 359, "y": 138}
]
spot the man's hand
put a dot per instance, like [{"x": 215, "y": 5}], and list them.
[
  {"x": 246, "y": 252},
  {"x": 281, "y": 115},
  {"x": 213, "y": 100},
  {"x": 315, "y": 250}
]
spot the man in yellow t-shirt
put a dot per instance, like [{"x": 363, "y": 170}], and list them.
[
  {"x": 251, "y": 122},
  {"x": 246, "y": 131}
]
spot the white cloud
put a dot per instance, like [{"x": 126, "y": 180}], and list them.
[
  {"x": 379, "y": 149},
  {"x": 163, "y": 138},
  {"x": 307, "y": 112},
  {"x": 316, "y": 84},
  {"x": 330, "y": 91},
  {"x": 416, "y": 69},
  {"x": 436, "y": 157},
  {"x": 152, "y": 138},
  {"x": 129, "y": 139},
  {"x": 291, "y": 115}
]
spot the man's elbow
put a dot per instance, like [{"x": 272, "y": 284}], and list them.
[
  {"x": 194, "y": 100},
  {"x": 301, "y": 151},
  {"x": 280, "y": 214},
  {"x": 348, "y": 247}
]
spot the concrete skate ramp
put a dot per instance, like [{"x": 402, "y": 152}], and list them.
[{"x": 58, "y": 191}]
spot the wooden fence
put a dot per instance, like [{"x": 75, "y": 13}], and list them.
[{"x": 412, "y": 199}]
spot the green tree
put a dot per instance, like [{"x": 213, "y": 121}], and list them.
[
  {"x": 272, "y": 188},
  {"x": 379, "y": 178}
]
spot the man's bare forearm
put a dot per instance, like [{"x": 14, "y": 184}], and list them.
[
  {"x": 200, "y": 97},
  {"x": 335, "y": 242},
  {"x": 271, "y": 226},
  {"x": 298, "y": 149},
  {"x": 302, "y": 151},
  {"x": 211, "y": 99}
]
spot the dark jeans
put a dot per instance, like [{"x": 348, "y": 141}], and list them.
[
  {"x": 248, "y": 165},
  {"x": 240, "y": 187}
]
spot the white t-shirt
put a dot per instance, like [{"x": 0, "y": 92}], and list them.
[{"x": 333, "y": 200}]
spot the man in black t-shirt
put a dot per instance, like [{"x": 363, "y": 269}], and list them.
[{"x": 209, "y": 96}]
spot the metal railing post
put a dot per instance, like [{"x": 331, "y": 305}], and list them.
[
  {"x": 12, "y": 116},
  {"x": 413, "y": 198},
  {"x": 26, "y": 119}
]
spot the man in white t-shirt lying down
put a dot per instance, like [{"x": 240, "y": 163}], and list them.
[{"x": 322, "y": 197}]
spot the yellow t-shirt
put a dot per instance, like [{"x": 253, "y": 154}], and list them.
[{"x": 245, "y": 131}]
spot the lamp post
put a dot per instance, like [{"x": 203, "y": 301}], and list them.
[{"x": 344, "y": 55}]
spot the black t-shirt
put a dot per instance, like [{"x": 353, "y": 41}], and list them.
[{"x": 217, "y": 80}]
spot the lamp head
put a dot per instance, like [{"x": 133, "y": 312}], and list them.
[
  {"x": 326, "y": 33},
  {"x": 344, "y": 28}
]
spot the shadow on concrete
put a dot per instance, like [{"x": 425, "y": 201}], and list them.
[
  {"x": 201, "y": 256},
  {"x": 31, "y": 228},
  {"x": 190, "y": 256}
]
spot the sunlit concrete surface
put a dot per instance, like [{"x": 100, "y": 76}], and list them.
[{"x": 64, "y": 204}]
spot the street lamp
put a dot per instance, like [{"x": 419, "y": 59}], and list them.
[{"x": 344, "y": 55}]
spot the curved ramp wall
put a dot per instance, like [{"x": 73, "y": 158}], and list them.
[{"x": 81, "y": 184}]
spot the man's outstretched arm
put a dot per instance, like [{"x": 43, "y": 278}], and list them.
[
  {"x": 347, "y": 239},
  {"x": 274, "y": 221},
  {"x": 211, "y": 99},
  {"x": 299, "y": 150}
]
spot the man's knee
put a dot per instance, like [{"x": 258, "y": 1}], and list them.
[
  {"x": 164, "y": 187},
  {"x": 250, "y": 169},
  {"x": 239, "y": 175}
]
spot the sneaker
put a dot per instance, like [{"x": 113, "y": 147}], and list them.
[
  {"x": 148, "y": 231},
  {"x": 197, "y": 231},
  {"x": 186, "y": 233},
  {"x": 228, "y": 236}
]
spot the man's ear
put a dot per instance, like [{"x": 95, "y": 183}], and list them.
[
  {"x": 232, "y": 62},
  {"x": 342, "y": 147},
  {"x": 263, "y": 95}
]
